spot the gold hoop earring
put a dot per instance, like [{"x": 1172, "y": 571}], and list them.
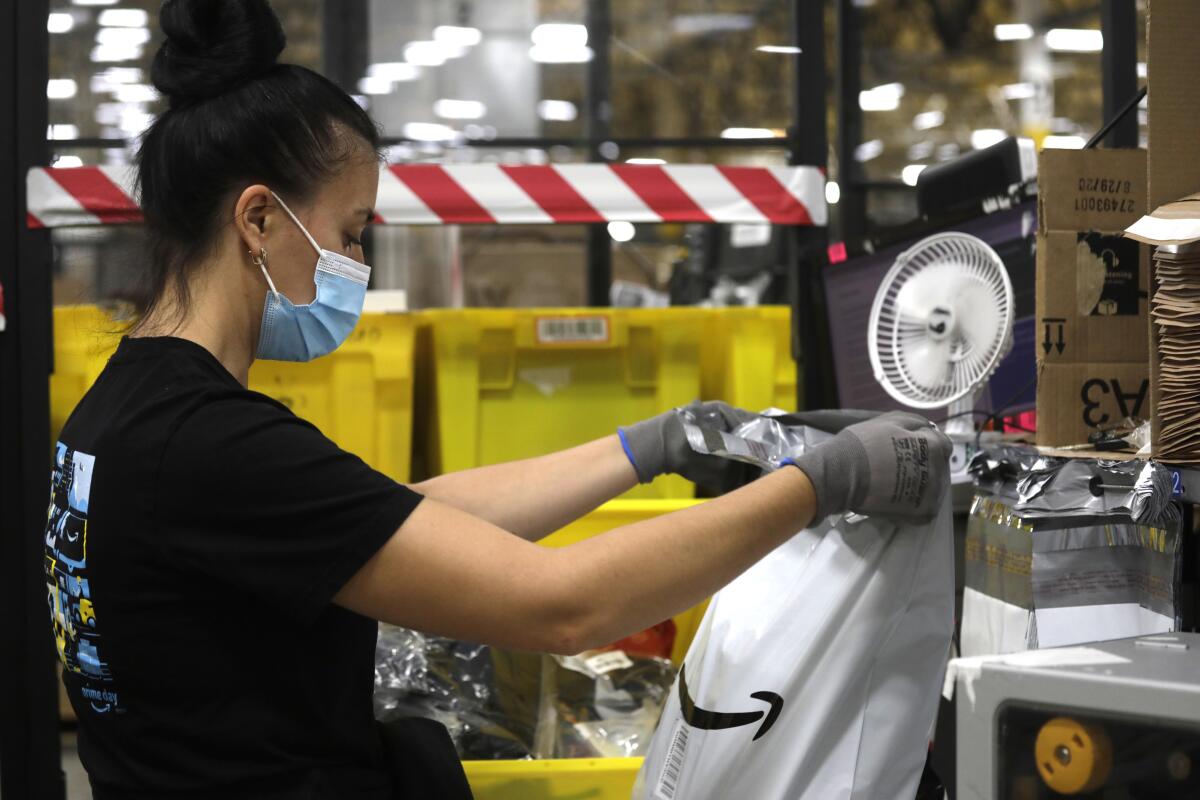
[{"x": 259, "y": 260}]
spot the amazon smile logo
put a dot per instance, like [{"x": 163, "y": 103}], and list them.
[{"x": 706, "y": 720}]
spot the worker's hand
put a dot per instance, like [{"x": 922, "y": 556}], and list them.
[
  {"x": 896, "y": 465},
  {"x": 658, "y": 445}
]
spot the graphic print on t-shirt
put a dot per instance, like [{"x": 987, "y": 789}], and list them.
[{"x": 68, "y": 593}]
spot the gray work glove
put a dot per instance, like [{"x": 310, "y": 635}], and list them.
[
  {"x": 896, "y": 466},
  {"x": 658, "y": 446}
]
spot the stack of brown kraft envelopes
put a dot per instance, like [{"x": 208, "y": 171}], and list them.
[{"x": 1174, "y": 229}]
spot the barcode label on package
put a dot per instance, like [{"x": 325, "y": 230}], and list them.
[
  {"x": 572, "y": 330},
  {"x": 607, "y": 662},
  {"x": 668, "y": 782}
]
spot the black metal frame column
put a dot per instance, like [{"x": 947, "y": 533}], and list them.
[
  {"x": 344, "y": 35},
  {"x": 1118, "y": 21},
  {"x": 597, "y": 129},
  {"x": 809, "y": 145},
  {"x": 852, "y": 207},
  {"x": 30, "y": 759}
]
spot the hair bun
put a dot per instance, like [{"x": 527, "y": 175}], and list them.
[{"x": 213, "y": 46}]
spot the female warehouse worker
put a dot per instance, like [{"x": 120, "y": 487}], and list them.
[{"x": 216, "y": 566}]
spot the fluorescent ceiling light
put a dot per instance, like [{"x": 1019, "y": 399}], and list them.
[
  {"x": 122, "y": 37},
  {"x": 558, "y": 34},
  {"x": 869, "y": 150},
  {"x": 910, "y": 174},
  {"x": 557, "y": 110},
  {"x": 699, "y": 24},
  {"x": 1013, "y": 32},
  {"x": 447, "y": 108},
  {"x": 787, "y": 49},
  {"x": 94, "y": 2},
  {"x": 426, "y": 54},
  {"x": 135, "y": 93},
  {"x": 986, "y": 137},
  {"x": 621, "y": 231},
  {"x": 429, "y": 132},
  {"x": 123, "y": 18},
  {"x": 374, "y": 85},
  {"x": 134, "y": 121},
  {"x": 60, "y": 88},
  {"x": 881, "y": 98},
  {"x": 920, "y": 151},
  {"x": 108, "y": 113},
  {"x": 113, "y": 77},
  {"x": 63, "y": 162},
  {"x": 1019, "y": 91},
  {"x": 929, "y": 119},
  {"x": 394, "y": 71},
  {"x": 554, "y": 54},
  {"x": 106, "y": 53},
  {"x": 1075, "y": 40},
  {"x": 1064, "y": 142},
  {"x": 646, "y": 161},
  {"x": 62, "y": 131},
  {"x": 1142, "y": 71},
  {"x": 833, "y": 193},
  {"x": 457, "y": 36},
  {"x": 747, "y": 133},
  {"x": 59, "y": 22}
]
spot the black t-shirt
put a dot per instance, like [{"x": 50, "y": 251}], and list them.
[{"x": 197, "y": 532}]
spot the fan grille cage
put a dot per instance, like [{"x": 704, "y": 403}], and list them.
[{"x": 976, "y": 268}]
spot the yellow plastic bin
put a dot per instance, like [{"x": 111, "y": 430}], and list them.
[
  {"x": 747, "y": 357},
  {"x": 506, "y": 384},
  {"x": 360, "y": 396},
  {"x": 84, "y": 338},
  {"x": 553, "y": 779},
  {"x": 592, "y": 778}
]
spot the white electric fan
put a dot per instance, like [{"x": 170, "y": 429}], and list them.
[{"x": 941, "y": 323}]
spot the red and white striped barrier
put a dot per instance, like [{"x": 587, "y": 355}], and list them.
[{"x": 433, "y": 194}]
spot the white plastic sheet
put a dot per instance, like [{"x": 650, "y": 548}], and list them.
[{"x": 816, "y": 674}]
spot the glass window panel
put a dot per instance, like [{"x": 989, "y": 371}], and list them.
[
  {"x": 693, "y": 67},
  {"x": 449, "y": 72},
  {"x": 939, "y": 83},
  {"x": 100, "y": 73}
]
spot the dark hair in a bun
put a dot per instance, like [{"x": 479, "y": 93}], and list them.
[
  {"x": 236, "y": 117},
  {"x": 214, "y": 46}
]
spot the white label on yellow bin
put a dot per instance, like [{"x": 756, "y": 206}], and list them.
[
  {"x": 605, "y": 663},
  {"x": 668, "y": 782},
  {"x": 565, "y": 330}
]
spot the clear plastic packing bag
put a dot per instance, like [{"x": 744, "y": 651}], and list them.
[
  {"x": 453, "y": 682},
  {"x": 603, "y": 704},
  {"x": 507, "y": 704},
  {"x": 1044, "y": 486},
  {"x": 816, "y": 674},
  {"x": 1068, "y": 551}
]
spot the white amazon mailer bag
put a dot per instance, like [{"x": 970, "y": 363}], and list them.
[{"x": 816, "y": 674}]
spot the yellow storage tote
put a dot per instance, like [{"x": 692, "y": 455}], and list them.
[
  {"x": 747, "y": 357},
  {"x": 84, "y": 338},
  {"x": 506, "y": 384},
  {"x": 360, "y": 395},
  {"x": 591, "y": 778},
  {"x": 553, "y": 779}
]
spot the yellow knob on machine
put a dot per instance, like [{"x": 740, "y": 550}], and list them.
[{"x": 1073, "y": 757}]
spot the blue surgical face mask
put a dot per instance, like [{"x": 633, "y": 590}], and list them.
[{"x": 302, "y": 333}]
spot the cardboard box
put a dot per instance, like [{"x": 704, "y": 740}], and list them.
[
  {"x": 1092, "y": 284},
  {"x": 1074, "y": 400}
]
